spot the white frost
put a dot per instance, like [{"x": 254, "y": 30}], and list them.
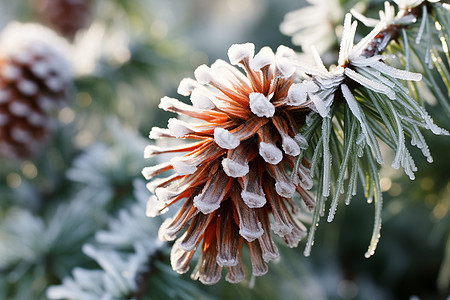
[
  {"x": 261, "y": 106},
  {"x": 178, "y": 128},
  {"x": 298, "y": 93},
  {"x": 270, "y": 153},
  {"x": 206, "y": 206},
  {"x": 167, "y": 103},
  {"x": 186, "y": 86},
  {"x": 404, "y": 4},
  {"x": 285, "y": 52},
  {"x": 238, "y": 52},
  {"x": 203, "y": 74},
  {"x": 19, "y": 109},
  {"x": 27, "y": 87},
  {"x": 20, "y": 135},
  {"x": 290, "y": 146},
  {"x": 368, "y": 83},
  {"x": 234, "y": 169},
  {"x": 249, "y": 234},
  {"x": 40, "y": 69},
  {"x": 396, "y": 73},
  {"x": 320, "y": 105},
  {"x": 285, "y": 67},
  {"x": 225, "y": 139},
  {"x": 154, "y": 207},
  {"x": 54, "y": 83},
  {"x": 285, "y": 189},
  {"x": 182, "y": 166},
  {"x": 253, "y": 200},
  {"x": 10, "y": 72},
  {"x": 200, "y": 100},
  {"x": 157, "y": 133},
  {"x": 263, "y": 58},
  {"x": 301, "y": 140}
]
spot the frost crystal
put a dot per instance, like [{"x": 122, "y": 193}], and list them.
[
  {"x": 225, "y": 139},
  {"x": 261, "y": 106}
]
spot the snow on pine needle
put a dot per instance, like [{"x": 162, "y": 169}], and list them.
[
  {"x": 128, "y": 255},
  {"x": 116, "y": 280},
  {"x": 380, "y": 105},
  {"x": 124, "y": 253}
]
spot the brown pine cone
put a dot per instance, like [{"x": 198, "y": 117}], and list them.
[
  {"x": 34, "y": 82},
  {"x": 233, "y": 185},
  {"x": 65, "y": 16}
]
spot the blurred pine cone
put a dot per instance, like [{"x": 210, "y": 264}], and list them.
[
  {"x": 34, "y": 82},
  {"x": 65, "y": 16}
]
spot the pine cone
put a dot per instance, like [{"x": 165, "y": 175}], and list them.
[
  {"x": 65, "y": 16},
  {"x": 34, "y": 81},
  {"x": 234, "y": 183}
]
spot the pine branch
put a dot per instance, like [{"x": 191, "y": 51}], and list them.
[
  {"x": 362, "y": 72},
  {"x": 128, "y": 255},
  {"x": 35, "y": 250},
  {"x": 254, "y": 125}
]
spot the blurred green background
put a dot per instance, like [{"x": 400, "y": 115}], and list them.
[{"x": 132, "y": 54}]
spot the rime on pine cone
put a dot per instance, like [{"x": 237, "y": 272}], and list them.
[
  {"x": 233, "y": 184},
  {"x": 65, "y": 16},
  {"x": 34, "y": 83}
]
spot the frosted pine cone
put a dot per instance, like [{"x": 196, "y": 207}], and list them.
[
  {"x": 34, "y": 81},
  {"x": 234, "y": 177},
  {"x": 65, "y": 16}
]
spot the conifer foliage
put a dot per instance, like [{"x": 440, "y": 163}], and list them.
[{"x": 259, "y": 147}]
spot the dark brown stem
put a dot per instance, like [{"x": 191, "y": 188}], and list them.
[
  {"x": 383, "y": 39},
  {"x": 379, "y": 44}
]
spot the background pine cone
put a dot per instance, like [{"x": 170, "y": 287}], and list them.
[
  {"x": 34, "y": 82},
  {"x": 65, "y": 16}
]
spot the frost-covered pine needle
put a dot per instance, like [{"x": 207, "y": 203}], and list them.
[
  {"x": 354, "y": 107},
  {"x": 342, "y": 170},
  {"x": 326, "y": 131},
  {"x": 380, "y": 106},
  {"x": 406, "y": 44},
  {"x": 316, "y": 217},
  {"x": 422, "y": 25},
  {"x": 375, "y": 183}
]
